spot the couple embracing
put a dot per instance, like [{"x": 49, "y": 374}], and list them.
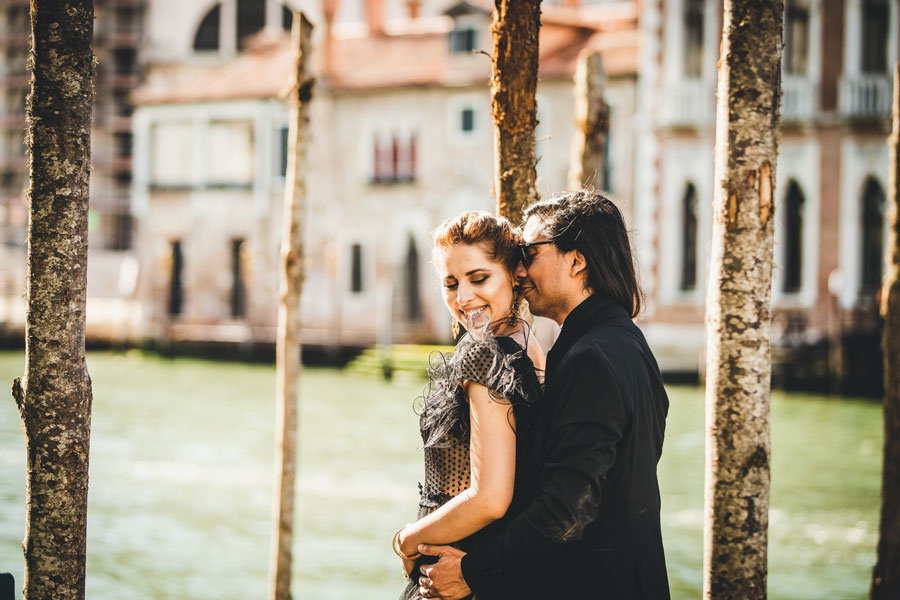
[{"x": 540, "y": 474}]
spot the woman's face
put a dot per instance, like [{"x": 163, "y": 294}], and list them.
[{"x": 472, "y": 281}]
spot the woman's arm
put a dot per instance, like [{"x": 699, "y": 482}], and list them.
[{"x": 492, "y": 455}]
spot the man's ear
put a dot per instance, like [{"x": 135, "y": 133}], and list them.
[{"x": 578, "y": 266}]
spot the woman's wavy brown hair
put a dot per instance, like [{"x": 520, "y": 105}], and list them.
[{"x": 495, "y": 234}]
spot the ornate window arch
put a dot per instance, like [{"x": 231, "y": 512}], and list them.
[
  {"x": 249, "y": 17},
  {"x": 689, "y": 220},
  {"x": 793, "y": 239},
  {"x": 207, "y": 36},
  {"x": 413, "y": 302},
  {"x": 872, "y": 205}
]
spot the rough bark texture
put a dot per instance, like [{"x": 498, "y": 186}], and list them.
[
  {"x": 515, "y": 28},
  {"x": 592, "y": 123},
  {"x": 287, "y": 360},
  {"x": 886, "y": 576},
  {"x": 54, "y": 395},
  {"x": 738, "y": 303}
]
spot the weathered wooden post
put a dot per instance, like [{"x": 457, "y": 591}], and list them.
[
  {"x": 287, "y": 360},
  {"x": 588, "y": 161},
  {"x": 516, "y": 26},
  {"x": 886, "y": 575},
  {"x": 54, "y": 395},
  {"x": 738, "y": 305}
]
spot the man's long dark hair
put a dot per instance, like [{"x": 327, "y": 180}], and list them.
[{"x": 591, "y": 223}]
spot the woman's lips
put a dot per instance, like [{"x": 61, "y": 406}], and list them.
[{"x": 466, "y": 312}]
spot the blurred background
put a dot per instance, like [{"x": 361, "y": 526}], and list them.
[{"x": 189, "y": 157}]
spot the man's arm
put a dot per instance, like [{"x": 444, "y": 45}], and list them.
[{"x": 589, "y": 420}]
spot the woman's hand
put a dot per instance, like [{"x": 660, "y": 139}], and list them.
[{"x": 408, "y": 566}]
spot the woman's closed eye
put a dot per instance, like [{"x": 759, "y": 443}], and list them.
[
  {"x": 450, "y": 285},
  {"x": 480, "y": 281}
]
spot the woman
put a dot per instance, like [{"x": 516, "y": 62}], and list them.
[{"x": 479, "y": 397}]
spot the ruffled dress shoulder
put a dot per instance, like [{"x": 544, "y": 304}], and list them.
[{"x": 505, "y": 369}]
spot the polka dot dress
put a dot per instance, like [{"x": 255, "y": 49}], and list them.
[{"x": 448, "y": 469}]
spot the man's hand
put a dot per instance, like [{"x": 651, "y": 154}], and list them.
[{"x": 444, "y": 578}]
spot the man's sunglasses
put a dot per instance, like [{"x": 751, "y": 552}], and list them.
[{"x": 527, "y": 256}]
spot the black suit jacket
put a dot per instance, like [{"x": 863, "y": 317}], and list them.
[{"x": 584, "y": 521}]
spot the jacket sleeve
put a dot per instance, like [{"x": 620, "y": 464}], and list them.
[{"x": 587, "y": 422}]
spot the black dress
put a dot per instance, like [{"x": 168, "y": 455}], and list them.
[{"x": 505, "y": 369}]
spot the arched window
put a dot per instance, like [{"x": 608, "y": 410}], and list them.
[
  {"x": 251, "y": 17},
  {"x": 411, "y": 291},
  {"x": 689, "y": 239},
  {"x": 238, "y": 285},
  {"x": 874, "y": 38},
  {"x": 207, "y": 37},
  {"x": 793, "y": 239},
  {"x": 176, "y": 283},
  {"x": 796, "y": 36},
  {"x": 693, "y": 38},
  {"x": 872, "y": 226},
  {"x": 356, "y": 268}
]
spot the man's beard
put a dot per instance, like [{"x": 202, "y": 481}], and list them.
[
  {"x": 535, "y": 305},
  {"x": 549, "y": 305}
]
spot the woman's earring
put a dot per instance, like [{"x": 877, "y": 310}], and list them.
[
  {"x": 514, "y": 309},
  {"x": 454, "y": 327}
]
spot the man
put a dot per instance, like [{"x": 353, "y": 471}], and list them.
[{"x": 584, "y": 522}]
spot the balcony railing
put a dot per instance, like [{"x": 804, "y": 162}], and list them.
[
  {"x": 866, "y": 96},
  {"x": 798, "y": 100},
  {"x": 688, "y": 104}
]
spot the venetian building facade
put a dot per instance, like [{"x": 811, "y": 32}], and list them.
[
  {"x": 832, "y": 177},
  {"x": 400, "y": 138},
  {"x": 119, "y": 32}
]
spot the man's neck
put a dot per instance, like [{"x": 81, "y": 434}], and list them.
[{"x": 572, "y": 302}]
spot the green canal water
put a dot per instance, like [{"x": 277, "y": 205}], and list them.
[{"x": 182, "y": 478}]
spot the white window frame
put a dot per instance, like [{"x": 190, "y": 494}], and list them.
[
  {"x": 859, "y": 160},
  {"x": 682, "y": 164},
  {"x": 674, "y": 42},
  {"x": 201, "y": 115},
  {"x": 455, "y": 106},
  {"x": 690, "y": 101},
  {"x": 805, "y": 87},
  {"x": 363, "y": 298},
  {"x": 853, "y": 31},
  {"x": 798, "y": 161},
  {"x": 475, "y": 22}
]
